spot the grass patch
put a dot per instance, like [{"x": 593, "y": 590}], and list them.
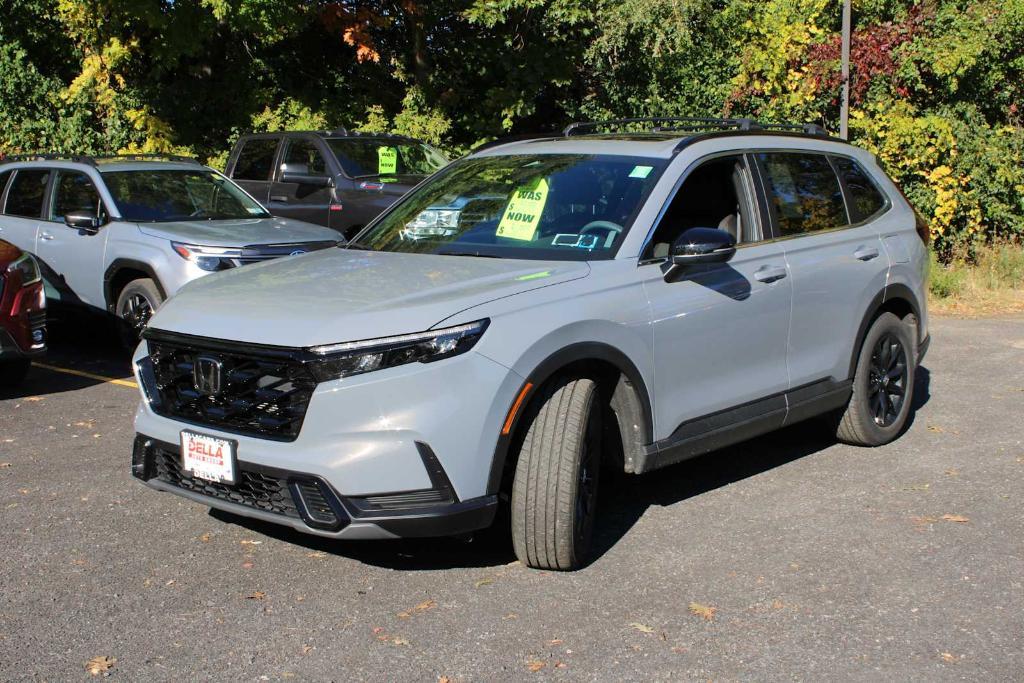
[{"x": 988, "y": 281}]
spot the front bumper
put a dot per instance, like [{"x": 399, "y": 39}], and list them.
[
  {"x": 11, "y": 350},
  {"x": 308, "y": 503}
]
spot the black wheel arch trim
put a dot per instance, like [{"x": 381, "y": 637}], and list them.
[
  {"x": 887, "y": 294},
  {"x": 119, "y": 264},
  {"x": 548, "y": 368}
]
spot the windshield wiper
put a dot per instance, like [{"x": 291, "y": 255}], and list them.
[{"x": 467, "y": 253}]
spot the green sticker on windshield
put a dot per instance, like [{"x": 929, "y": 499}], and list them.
[
  {"x": 387, "y": 160},
  {"x": 522, "y": 215},
  {"x": 641, "y": 171}
]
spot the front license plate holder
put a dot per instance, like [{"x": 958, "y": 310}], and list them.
[{"x": 209, "y": 457}]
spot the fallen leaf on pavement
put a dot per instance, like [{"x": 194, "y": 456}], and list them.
[
  {"x": 306, "y": 649},
  {"x": 248, "y": 564},
  {"x": 248, "y": 542},
  {"x": 948, "y": 657},
  {"x": 317, "y": 555},
  {"x": 258, "y": 595},
  {"x": 534, "y": 665},
  {"x": 952, "y": 472},
  {"x": 555, "y": 641},
  {"x": 100, "y": 665},
  {"x": 643, "y": 628},
  {"x": 483, "y": 582},
  {"x": 444, "y": 679},
  {"x": 205, "y": 538},
  {"x": 956, "y": 518},
  {"x": 560, "y": 665},
  {"x": 4, "y": 464},
  {"x": 33, "y": 399},
  {"x": 936, "y": 428},
  {"x": 708, "y": 613},
  {"x": 422, "y": 607},
  {"x": 777, "y": 604}
]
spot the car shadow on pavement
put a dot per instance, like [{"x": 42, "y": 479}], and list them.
[
  {"x": 77, "y": 342},
  {"x": 624, "y": 501}
]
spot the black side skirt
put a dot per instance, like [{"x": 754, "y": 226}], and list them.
[{"x": 726, "y": 427}]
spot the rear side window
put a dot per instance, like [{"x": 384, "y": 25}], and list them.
[
  {"x": 864, "y": 196},
  {"x": 804, "y": 192},
  {"x": 256, "y": 159},
  {"x": 25, "y": 196},
  {"x": 306, "y": 153},
  {"x": 73, "y": 191}
]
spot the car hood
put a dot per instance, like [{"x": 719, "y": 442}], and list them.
[
  {"x": 339, "y": 295},
  {"x": 240, "y": 232}
]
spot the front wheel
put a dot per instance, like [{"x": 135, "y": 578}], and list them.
[
  {"x": 883, "y": 384},
  {"x": 135, "y": 306},
  {"x": 554, "y": 494}
]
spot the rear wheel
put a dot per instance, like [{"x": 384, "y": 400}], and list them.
[
  {"x": 554, "y": 494},
  {"x": 883, "y": 384},
  {"x": 135, "y": 306},
  {"x": 12, "y": 372}
]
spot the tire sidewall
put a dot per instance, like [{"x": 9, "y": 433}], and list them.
[{"x": 145, "y": 288}]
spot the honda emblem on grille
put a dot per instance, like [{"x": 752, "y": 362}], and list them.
[{"x": 207, "y": 375}]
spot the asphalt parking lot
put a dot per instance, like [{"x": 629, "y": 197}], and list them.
[{"x": 787, "y": 557}]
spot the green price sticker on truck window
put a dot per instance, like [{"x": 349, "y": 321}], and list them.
[
  {"x": 387, "y": 160},
  {"x": 522, "y": 215}
]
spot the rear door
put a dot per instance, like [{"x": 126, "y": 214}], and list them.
[
  {"x": 253, "y": 166},
  {"x": 836, "y": 260},
  {"x": 75, "y": 256},
  {"x": 23, "y": 207},
  {"x": 305, "y": 202}
]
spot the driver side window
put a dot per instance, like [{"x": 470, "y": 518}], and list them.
[
  {"x": 73, "y": 191},
  {"x": 716, "y": 194}
]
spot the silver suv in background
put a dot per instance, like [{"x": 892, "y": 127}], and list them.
[
  {"x": 600, "y": 300},
  {"x": 122, "y": 234}
]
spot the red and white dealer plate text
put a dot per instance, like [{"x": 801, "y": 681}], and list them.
[{"x": 208, "y": 457}]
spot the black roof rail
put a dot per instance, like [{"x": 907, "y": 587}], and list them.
[
  {"x": 93, "y": 159},
  {"x": 661, "y": 124},
  {"x": 48, "y": 157},
  {"x": 147, "y": 157}
]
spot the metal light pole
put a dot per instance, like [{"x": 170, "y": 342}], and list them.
[{"x": 844, "y": 111}]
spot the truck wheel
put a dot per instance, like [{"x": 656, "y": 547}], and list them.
[
  {"x": 135, "y": 306},
  {"x": 12, "y": 372},
  {"x": 883, "y": 384},
  {"x": 554, "y": 493}
]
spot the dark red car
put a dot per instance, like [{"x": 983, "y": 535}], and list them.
[{"x": 22, "y": 313}]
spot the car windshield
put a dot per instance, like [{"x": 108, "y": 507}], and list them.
[
  {"x": 178, "y": 195},
  {"x": 360, "y": 157},
  {"x": 558, "y": 206}
]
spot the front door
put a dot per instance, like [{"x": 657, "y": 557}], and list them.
[
  {"x": 719, "y": 331},
  {"x": 305, "y": 202},
  {"x": 75, "y": 256}
]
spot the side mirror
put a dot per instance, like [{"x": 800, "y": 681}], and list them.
[
  {"x": 700, "y": 246},
  {"x": 86, "y": 221},
  {"x": 299, "y": 174}
]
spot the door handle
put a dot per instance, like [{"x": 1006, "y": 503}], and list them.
[
  {"x": 769, "y": 273},
  {"x": 278, "y": 198},
  {"x": 865, "y": 253},
  {"x": 45, "y": 236}
]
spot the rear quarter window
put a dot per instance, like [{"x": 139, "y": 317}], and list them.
[
  {"x": 25, "y": 195},
  {"x": 863, "y": 194},
  {"x": 255, "y": 159}
]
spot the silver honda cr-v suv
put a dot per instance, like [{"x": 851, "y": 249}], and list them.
[
  {"x": 122, "y": 234},
  {"x": 622, "y": 300}
]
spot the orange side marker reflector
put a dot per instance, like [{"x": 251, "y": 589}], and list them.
[{"x": 515, "y": 408}]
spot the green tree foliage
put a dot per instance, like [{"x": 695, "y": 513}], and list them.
[{"x": 937, "y": 90}]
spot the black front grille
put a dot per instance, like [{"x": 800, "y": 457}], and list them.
[
  {"x": 253, "y": 489},
  {"x": 261, "y": 394}
]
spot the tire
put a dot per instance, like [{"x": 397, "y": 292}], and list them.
[
  {"x": 12, "y": 372},
  {"x": 135, "y": 305},
  {"x": 554, "y": 493},
  {"x": 883, "y": 384}
]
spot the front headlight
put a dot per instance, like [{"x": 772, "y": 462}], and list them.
[
  {"x": 207, "y": 258},
  {"x": 354, "y": 358}
]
